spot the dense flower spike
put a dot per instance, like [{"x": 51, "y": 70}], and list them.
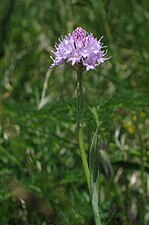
[{"x": 79, "y": 48}]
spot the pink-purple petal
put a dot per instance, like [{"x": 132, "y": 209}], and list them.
[{"x": 79, "y": 47}]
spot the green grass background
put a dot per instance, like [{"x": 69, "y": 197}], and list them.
[{"x": 41, "y": 175}]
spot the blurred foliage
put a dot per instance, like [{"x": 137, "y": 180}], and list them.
[{"x": 41, "y": 175}]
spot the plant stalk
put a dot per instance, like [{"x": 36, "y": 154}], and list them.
[
  {"x": 92, "y": 188},
  {"x": 80, "y": 112}
]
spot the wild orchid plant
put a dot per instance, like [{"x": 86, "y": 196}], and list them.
[{"x": 83, "y": 52}]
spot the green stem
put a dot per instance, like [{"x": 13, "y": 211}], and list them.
[
  {"x": 81, "y": 142},
  {"x": 83, "y": 156},
  {"x": 92, "y": 190}
]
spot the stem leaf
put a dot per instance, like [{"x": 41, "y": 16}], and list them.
[{"x": 94, "y": 157}]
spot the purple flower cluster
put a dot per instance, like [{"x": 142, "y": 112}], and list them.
[{"x": 79, "y": 48}]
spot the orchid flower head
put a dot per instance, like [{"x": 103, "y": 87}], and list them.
[{"x": 79, "y": 49}]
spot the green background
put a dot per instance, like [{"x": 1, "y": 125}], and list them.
[{"x": 42, "y": 180}]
